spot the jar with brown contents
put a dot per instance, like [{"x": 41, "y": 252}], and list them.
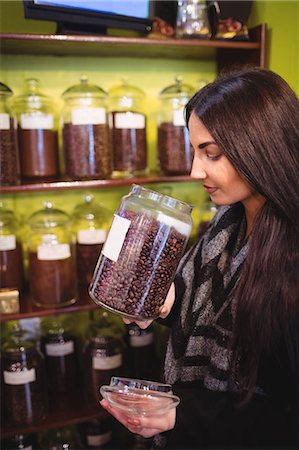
[
  {"x": 37, "y": 133},
  {"x": 85, "y": 132}
]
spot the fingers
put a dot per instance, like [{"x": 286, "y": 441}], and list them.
[{"x": 166, "y": 307}]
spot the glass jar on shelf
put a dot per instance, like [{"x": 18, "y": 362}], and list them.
[
  {"x": 143, "y": 248},
  {"x": 37, "y": 133},
  {"x": 175, "y": 153},
  {"x": 12, "y": 281},
  {"x": 52, "y": 269},
  {"x": 24, "y": 388},
  {"x": 127, "y": 122},
  {"x": 9, "y": 152},
  {"x": 85, "y": 132},
  {"x": 90, "y": 224},
  {"x": 193, "y": 19}
]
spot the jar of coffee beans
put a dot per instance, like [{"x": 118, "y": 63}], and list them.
[
  {"x": 37, "y": 133},
  {"x": 175, "y": 153},
  {"x": 11, "y": 261},
  {"x": 127, "y": 122},
  {"x": 85, "y": 132},
  {"x": 9, "y": 154},
  {"x": 52, "y": 268},
  {"x": 144, "y": 246},
  {"x": 90, "y": 223},
  {"x": 23, "y": 371}
]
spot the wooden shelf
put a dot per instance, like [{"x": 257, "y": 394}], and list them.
[
  {"x": 66, "y": 45},
  {"x": 91, "y": 184}
]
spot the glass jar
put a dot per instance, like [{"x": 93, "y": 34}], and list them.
[
  {"x": 9, "y": 152},
  {"x": 60, "y": 351},
  {"x": 143, "y": 248},
  {"x": 37, "y": 133},
  {"x": 175, "y": 153},
  {"x": 52, "y": 270},
  {"x": 85, "y": 132},
  {"x": 193, "y": 20},
  {"x": 23, "y": 380},
  {"x": 127, "y": 122},
  {"x": 21, "y": 441},
  {"x": 97, "y": 433},
  {"x": 103, "y": 356},
  {"x": 12, "y": 281},
  {"x": 90, "y": 224}
]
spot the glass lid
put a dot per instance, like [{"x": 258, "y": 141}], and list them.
[
  {"x": 49, "y": 217},
  {"x": 16, "y": 341},
  {"x": 89, "y": 210},
  {"x": 84, "y": 89},
  {"x": 5, "y": 90},
  {"x": 31, "y": 95},
  {"x": 126, "y": 90},
  {"x": 179, "y": 89},
  {"x": 7, "y": 217}
]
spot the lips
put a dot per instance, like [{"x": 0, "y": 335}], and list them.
[{"x": 209, "y": 189}]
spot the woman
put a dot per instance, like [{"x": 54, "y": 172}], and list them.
[{"x": 233, "y": 309}]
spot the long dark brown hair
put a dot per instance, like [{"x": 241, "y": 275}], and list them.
[{"x": 253, "y": 116}]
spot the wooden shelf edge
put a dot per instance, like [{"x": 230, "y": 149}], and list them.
[{"x": 89, "y": 184}]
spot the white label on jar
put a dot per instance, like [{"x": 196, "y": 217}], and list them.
[
  {"x": 181, "y": 227},
  {"x": 53, "y": 252},
  {"x": 116, "y": 237},
  {"x": 92, "y": 236},
  {"x": 63, "y": 349},
  {"x": 141, "y": 341},
  {"x": 22, "y": 377},
  {"x": 98, "y": 439},
  {"x": 178, "y": 118},
  {"x": 106, "y": 362},
  {"x": 7, "y": 242},
  {"x": 129, "y": 120},
  {"x": 4, "y": 121},
  {"x": 88, "y": 116},
  {"x": 37, "y": 121}
]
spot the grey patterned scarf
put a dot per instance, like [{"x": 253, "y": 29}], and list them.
[{"x": 200, "y": 344}]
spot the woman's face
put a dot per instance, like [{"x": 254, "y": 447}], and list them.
[{"x": 211, "y": 166}]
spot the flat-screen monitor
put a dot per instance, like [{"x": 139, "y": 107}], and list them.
[{"x": 93, "y": 16}]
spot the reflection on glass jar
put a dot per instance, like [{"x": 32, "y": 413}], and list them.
[
  {"x": 127, "y": 123},
  {"x": 37, "y": 133},
  {"x": 175, "y": 153},
  {"x": 145, "y": 243},
  {"x": 85, "y": 133},
  {"x": 52, "y": 270},
  {"x": 9, "y": 153},
  {"x": 24, "y": 385}
]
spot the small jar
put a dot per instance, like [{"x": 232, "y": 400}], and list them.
[
  {"x": 193, "y": 20},
  {"x": 97, "y": 433},
  {"x": 12, "y": 281},
  {"x": 175, "y": 153},
  {"x": 127, "y": 122},
  {"x": 90, "y": 224},
  {"x": 23, "y": 380},
  {"x": 103, "y": 356},
  {"x": 52, "y": 270},
  {"x": 37, "y": 133},
  {"x": 143, "y": 248},
  {"x": 9, "y": 153},
  {"x": 60, "y": 351},
  {"x": 85, "y": 132}
]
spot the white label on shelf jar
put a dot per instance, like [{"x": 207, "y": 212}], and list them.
[
  {"x": 53, "y": 252},
  {"x": 129, "y": 120},
  {"x": 4, "y": 121},
  {"x": 181, "y": 227},
  {"x": 63, "y": 349},
  {"x": 22, "y": 377},
  {"x": 116, "y": 237},
  {"x": 178, "y": 118},
  {"x": 141, "y": 341},
  {"x": 91, "y": 236},
  {"x": 98, "y": 439},
  {"x": 7, "y": 242},
  {"x": 37, "y": 121},
  {"x": 106, "y": 362},
  {"x": 28, "y": 448},
  {"x": 88, "y": 116}
]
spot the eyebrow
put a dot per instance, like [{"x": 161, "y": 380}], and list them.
[{"x": 205, "y": 144}]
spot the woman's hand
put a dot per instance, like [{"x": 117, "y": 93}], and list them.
[
  {"x": 164, "y": 310},
  {"x": 145, "y": 426}
]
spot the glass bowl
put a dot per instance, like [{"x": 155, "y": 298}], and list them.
[{"x": 139, "y": 397}]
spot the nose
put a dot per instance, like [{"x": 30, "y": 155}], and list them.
[{"x": 197, "y": 170}]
